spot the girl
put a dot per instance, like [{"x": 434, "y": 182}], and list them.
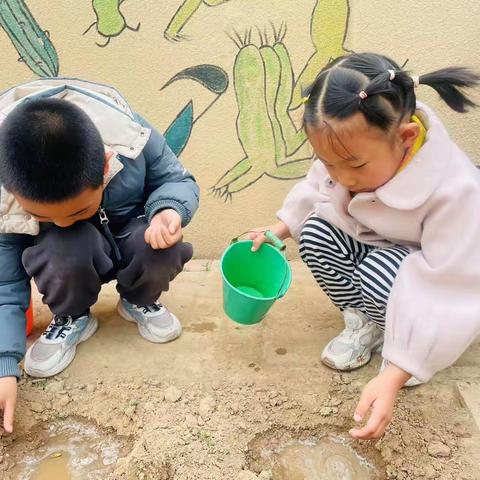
[{"x": 388, "y": 221}]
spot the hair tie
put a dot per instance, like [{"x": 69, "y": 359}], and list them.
[
  {"x": 392, "y": 74},
  {"x": 305, "y": 99},
  {"x": 416, "y": 81},
  {"x": 363, "y": 95}
]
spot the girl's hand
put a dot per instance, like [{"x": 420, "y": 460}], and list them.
[
  {"x": 379, "y": 394},
  {"x": 280, "y": 229},
  {"x": 8, "y": 398},
  {"x": 165, "y": 230}
]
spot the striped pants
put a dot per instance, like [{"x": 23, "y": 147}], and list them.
[{"x": 352, "y": 274}]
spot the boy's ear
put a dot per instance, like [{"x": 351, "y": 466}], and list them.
[
  {"x": 408, "y": 133},
  {"x": 106, "y": 166}
]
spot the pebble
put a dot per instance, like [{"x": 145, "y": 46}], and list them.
[
  {"x": 247, "y": 475},
  {"x": 430, "y": 472},
  {"x": 265, "y": 475},
  {"x": 36, "y": 407},
  {"x": 242, "y": 425},
  {"x": 461, "y": 431},
  {"x": 91, "y": 388},
  {"x": 207, "y": 406},
  {"x": 276, "y": 401},
  {"x": 55, "y": 387},
  {"x": 439, "y": 450},
  {"x": 130, "y": 411},
  {"x": 326, "y": 411},
  {"x": 173, "y": 394},
  {"x": 64, "y": 401},
  {"x": 335, "y": 402},
  {"x": 190, "y": 420}
]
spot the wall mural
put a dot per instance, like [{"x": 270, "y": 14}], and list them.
[
  {"x": 266, "y": 93},
  {"x": 328, "y": 31},
  {"x": 184, "y": 13},
  {"x": 263, "y": 81},
  {"x": 31, "y": 42},
  {"x": 266, "y": 88},
  {"x": 110, "y": 20},
  {"x": 214, "y": 79}
]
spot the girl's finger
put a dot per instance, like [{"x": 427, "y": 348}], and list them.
[
  {"x": 365, "y": 402},
  {"x": 381, "y": 430},
  {"x": 257, "y": 242},
  {"x": 374, "y": 423}
]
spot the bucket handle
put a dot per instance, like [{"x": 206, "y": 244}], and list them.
[
  {"x": 278, "y": 244},
  {"x": 269, "y": 235}
]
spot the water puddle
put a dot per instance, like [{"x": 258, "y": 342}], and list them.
[
  {"x": 69, "y": 451},
  {"x": 326, "y": 459},
  {"x": 53, "y": 467},
  {"x": 310, "y": 455}
]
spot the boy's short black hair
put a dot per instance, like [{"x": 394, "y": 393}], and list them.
[{"x": 50, "y": 151}]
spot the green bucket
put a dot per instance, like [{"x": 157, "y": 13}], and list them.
[{"x": 253, "y": 281}]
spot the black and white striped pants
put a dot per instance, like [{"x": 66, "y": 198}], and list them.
[{"x": 352, "y": 274}]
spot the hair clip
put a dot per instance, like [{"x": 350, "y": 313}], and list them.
[
  {"x": 363, "y": 95},
  {"x": 392, "y": 74},
  {"x": 416, "y": 81},
  {"x": 305, "y": 99}
]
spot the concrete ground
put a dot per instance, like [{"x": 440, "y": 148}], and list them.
[{"x": 435, "y": 433}]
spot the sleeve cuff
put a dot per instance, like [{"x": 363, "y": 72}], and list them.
[
  {"x": 294, "y": 229},
  {"x": 405, "y": 361},
  {"x": 158, "y": 205},
  {"x": 9, "y": 367}
]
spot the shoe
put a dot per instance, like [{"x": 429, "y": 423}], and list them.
[
  {"x": 155, "y": 322},
  {"x": 354, "y": 346},
  {"x": 56, "y": 347},
  {"x": 411, "y": 382}
]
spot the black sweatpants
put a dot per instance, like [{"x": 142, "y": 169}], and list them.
[{"x": 69, "y": 265}]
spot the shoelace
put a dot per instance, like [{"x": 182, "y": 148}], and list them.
[
  {"x": 58, "y": 327},
  {"x": 154, "y": 307}
]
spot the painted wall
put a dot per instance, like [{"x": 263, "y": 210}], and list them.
[{"x": 222, "y": 78}]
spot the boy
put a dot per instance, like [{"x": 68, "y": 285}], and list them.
[{"x": 90, "y": 192}]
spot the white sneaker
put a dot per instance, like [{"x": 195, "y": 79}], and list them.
[
  {"x": 354, "y": 346},
  {"x": 56, "y": 348},
  {"x": 155, "y": 322},
  {"x": 411, "y": 382}
]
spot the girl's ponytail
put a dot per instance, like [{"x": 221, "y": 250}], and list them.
[
  {"x": 379, "y": 88},
  {"x": 448, "y": 82}
]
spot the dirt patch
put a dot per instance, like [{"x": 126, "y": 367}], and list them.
[
  {"x": 215, "y": 431},
  {"x": 193, "y": 407}
]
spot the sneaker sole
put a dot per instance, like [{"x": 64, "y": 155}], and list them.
[
  {"x": 144, "y": 332},
  {"x": 356, "y": 362},
  {"x": 353, "y": 365},
  {"x": 66, "y": 360}
]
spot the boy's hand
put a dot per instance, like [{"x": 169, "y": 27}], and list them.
[
  {"x": 165, "y": 229},
  {"x": 280, "y": 229},
  {"x": 8, "y": 398},
  {"x": 379, "y": 394}
]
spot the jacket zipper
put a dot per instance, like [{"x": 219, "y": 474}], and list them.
[{"x": 104, "y": 222}]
